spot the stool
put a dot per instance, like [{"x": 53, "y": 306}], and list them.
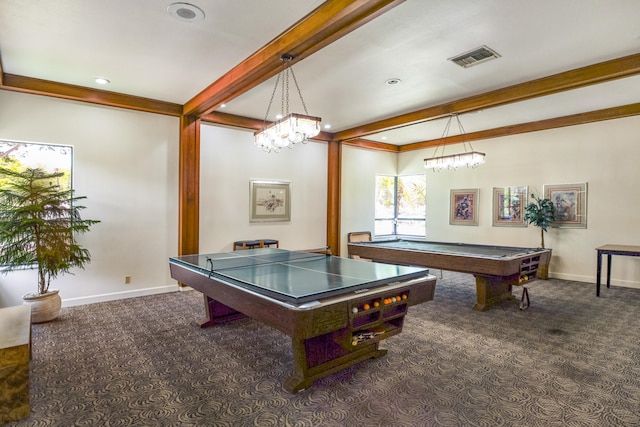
[
  {"x": 265, "y": 243},
  {"x": 247, "y": 244}
]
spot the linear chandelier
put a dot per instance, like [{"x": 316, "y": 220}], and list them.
[
  {"x": 290, "y": 128},
  {"x": 468, "y": 158}
]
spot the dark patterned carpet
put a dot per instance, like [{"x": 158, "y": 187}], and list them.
[{"x": 571, "y": 359}]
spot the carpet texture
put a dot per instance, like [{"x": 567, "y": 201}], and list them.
[{"x": 571, "y": 359}]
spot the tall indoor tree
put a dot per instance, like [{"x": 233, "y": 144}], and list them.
[{"x": 39, "y": 225}]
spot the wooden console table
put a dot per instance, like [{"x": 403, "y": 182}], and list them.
[
  {"x": 15, "y": 339},
  {"x": 610, "y": 250},
  {"x": 252, "y": 244}
]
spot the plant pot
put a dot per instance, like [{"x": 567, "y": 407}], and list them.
[{"x": 44, "y": 307}]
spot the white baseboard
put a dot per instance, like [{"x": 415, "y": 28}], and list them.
[
  {"x": 592, "y": 280},
  {"x": 70, "y": 302}
]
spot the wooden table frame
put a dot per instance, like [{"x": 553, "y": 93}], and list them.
[
  {"x": 15, "y": 357},
  {"x": 495, "y": 277},
  {"x": 322, "y": 334},
  {"x": 609, "y": 250}
]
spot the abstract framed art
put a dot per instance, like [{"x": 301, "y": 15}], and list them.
[
  {"x": 270, "y": 201},
  {"x": 570, "y": 201},
  {"x": 464, "y": 207}
]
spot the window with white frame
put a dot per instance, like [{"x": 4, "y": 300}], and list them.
[
  {"x": 19, "y": 156},
  {"x": 401, "y": 205}
]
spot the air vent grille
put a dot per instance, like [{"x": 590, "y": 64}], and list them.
[{"x": 475, "y": 56}]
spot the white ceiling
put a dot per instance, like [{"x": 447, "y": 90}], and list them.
[{"x": 146, "y": 52}]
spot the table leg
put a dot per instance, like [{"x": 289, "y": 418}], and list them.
[
  {"x": 608, "y": 270},
  {"x": 318, "y": 357},
  {"x": 491, "y": 290},
  {"x": 598, "y": 271},
  {"x": 299, "y": 379},
  {"x": 216, "y": 312}
]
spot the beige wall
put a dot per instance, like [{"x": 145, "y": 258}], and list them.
[
  {"x": 229, "y": 161},
  {"x": 359, "y": 169},
  {"x": 603, "y": 154},
  {"x": 124, "y": 162}
]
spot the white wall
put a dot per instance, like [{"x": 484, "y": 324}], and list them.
[
  {"x": 359, "y": 169},
  {"x": 125, "y": 162},
  {"x": 603, "y": 154},
  {"x": 229, "y": 161}
]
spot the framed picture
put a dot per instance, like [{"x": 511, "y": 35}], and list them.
[
  {"x": 570, "y": 201},
  {"x": 464, "y": 207},
  {"x": 508, "y": 206},
  {"x": 270, "y": 201}
]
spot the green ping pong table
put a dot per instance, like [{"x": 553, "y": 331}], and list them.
[{"x": 336, "y": 310}]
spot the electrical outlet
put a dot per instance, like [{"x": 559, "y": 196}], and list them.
[{"x": 127, "y": 280}]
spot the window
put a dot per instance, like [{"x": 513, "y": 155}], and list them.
[
  {"x": 52, "y": 158},
  {"x": 17, "y": 157},
  {"x": 401, "y": 203}
]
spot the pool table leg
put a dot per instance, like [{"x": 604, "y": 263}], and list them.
[
  {"x": 317, "y": 357},
  {"x": 491, "y": 290},
  {"x": 216, "y": 312}
]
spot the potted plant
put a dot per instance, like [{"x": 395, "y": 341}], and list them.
[
  {"x": 541, "y": 213},
  {"x": 39, "y": 223}
]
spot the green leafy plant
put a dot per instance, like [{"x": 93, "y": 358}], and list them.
[
  {"x": 39, "y": 222},
  {"x": 540, "y": 213}
]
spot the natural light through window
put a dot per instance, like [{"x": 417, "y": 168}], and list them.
[
  {"x": 18, "y": 155},
  {"x": 401, "y": 203}
]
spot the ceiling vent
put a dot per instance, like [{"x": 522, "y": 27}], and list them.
[{"x": 475, "y": 57}]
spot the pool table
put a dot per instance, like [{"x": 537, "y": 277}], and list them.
[
  {"x": 496, "y": 268},
  {"x": 336, "y": 310}
]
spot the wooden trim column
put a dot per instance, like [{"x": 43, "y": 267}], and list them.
[
  {"x": 334, "y": 178},
  {"x": 189, "y": 186}
]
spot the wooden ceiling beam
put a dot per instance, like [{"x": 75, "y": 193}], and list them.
[
  {"x": 326, "y": 24},
  {"x": 557, "y": 122},
  {"x": 226, "y": 119},
  {"x": 372, "y": 145},
  {"x": 84, "y": 94},
  {"x": 573, "y": 79}
]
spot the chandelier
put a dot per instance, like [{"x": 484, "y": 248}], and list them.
[
  {"x": 468, "y": 158},
  {"x": 292, "y": 128}
]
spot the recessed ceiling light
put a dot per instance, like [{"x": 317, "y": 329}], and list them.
[
  {"x": 394, "y": 81},
  {"x": 223, "y": 105},
  {"x": 327, "y": 126},
  {"x": 384, "y": 137},
  {"x": 102, "y": 81},
  {"x": 186, "y": 12}
]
